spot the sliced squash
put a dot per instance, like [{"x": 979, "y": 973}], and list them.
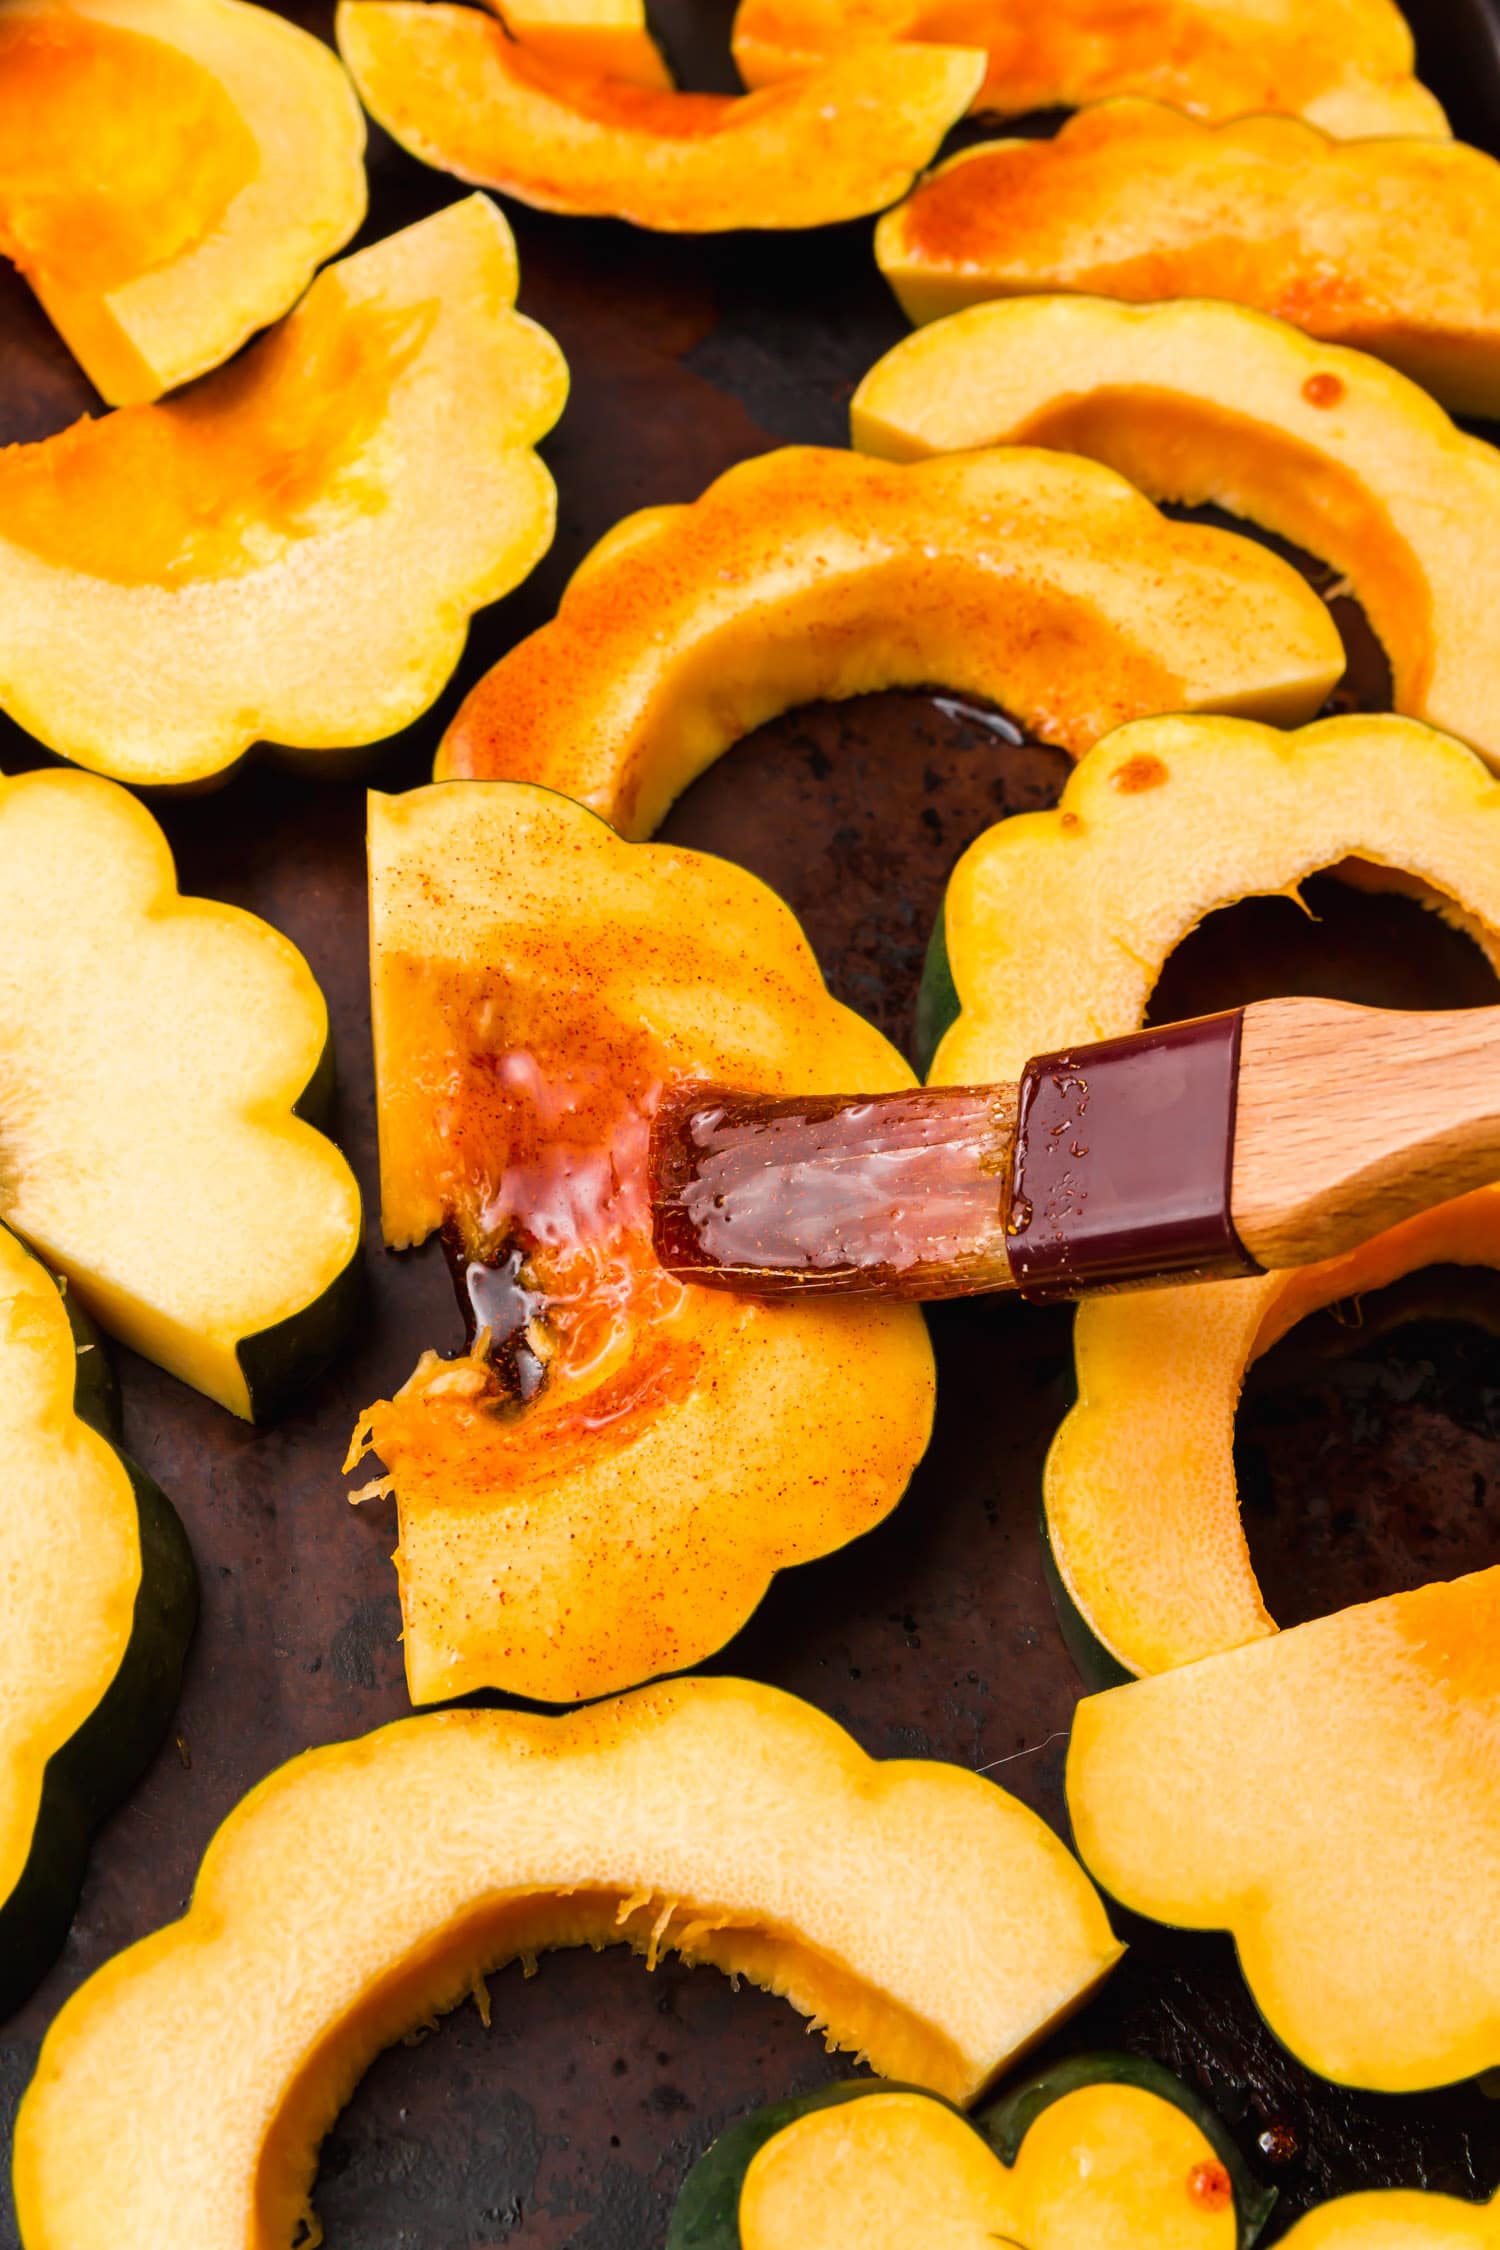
[
  {"x": 1398, "y": 2219},
  {"x": 1142, "y": 1504},
  {"x": 1044, "y": 584},
  {"x": 1378, "y": 244},
  {"x": 609, "y": 38},
  {"x": 96, "y": 1609},
  {"x": 1057, "y": 924},
  {"x": 172, "y": 173},
  {"x": 1347, "y": 64},
  {"x": 603, "y": 1488},
  {"x": 451, "y": 87},
  {"x": 292, "y": 550},
  {"x": 1207, "y": 403},
  {"x": 1104, "y": 2152},
  {"x": 153, "y": 1049},
  {"x": 1329, "y": 1797},
  {"x": 370, "y": 1883}
]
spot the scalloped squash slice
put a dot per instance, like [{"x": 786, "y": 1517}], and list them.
[
  {"x": 97, "y": 1602},
  {"x": 1347, "y": 64},
  {"x": 603, "y": 1488},
  {"x": 292, "y": 550},
  {"x": 152, "y": 1049},
  {"x": 1332, "y": 1798},
  {"x": 172, "y": 173},
  {"x": 367, "y": 1885},
  {"x": 452, "y": 88},
  {"x": 1386, "y": 245},
  {"x": 1045, "y": 584},
  {"x": 1397, "y": 2219},
  {"x": 1207, "y": 403}
]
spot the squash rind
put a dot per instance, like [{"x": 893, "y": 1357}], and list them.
[
  {"x": 715, "y": 1817},
  {"x": 1209, "y": 403},
  {"x": 807, "y": 573}
]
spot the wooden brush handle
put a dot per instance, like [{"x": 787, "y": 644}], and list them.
[{"x": 1350, "y": 1120}]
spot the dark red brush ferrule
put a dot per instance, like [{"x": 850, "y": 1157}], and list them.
[{"x": 1124, "y": 1162}]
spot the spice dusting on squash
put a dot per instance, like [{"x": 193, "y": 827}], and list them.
[
  {"x": 208, "y": 485},
  {"x": 86, "y": 186}
]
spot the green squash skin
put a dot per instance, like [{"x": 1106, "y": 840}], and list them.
[
  {"x": 938, "y": 1005},
  {"x": 1095, "y": 1665},
  {"x": 706, "y": 2216},
  {"x": 95, "y": 1770},
  {"x": 281, "y": 1362}
]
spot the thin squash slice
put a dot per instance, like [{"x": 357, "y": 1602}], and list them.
[
  {"x": 154, "y": 1050},
  {"x": 1208, "y": 404},
  {"x": 1377, "y": 244},
  {"x": 172, "y": 173},
  {"x": 1103, "y": 2152},
  {"x": 452, "y": 87},
  {"x": 1329, "y": 1797},
  {"x": 96, "y": 1610},
  {"x": 1346, "y": 64},
  {"x": 602, "y": 1489},
  {"x": 1044, "y": 584},
  {"x": 291, "y": 551},
  {"x": 368, "y": 1884}
]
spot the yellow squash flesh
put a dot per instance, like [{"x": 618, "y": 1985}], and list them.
[
  {"x": 537, "y": 983},
  {"x": 455, "y": 91},
  {"x": 151, "y": 1049},
  {"x": 1207, "y": 403},
  {"x": 605, "y": 38},
  {"x": 67, "y": 1606},
  {"x": 1043, "y": 583},
  {"x": 292, "y": 550},
  {"x": 1347, "y": 64},
  {"x": 172, "y": 173},
  {"x": 1397, "y": 2219},
  {"x": 1329, "y": 1797},
  {"x": 368, "y": 1884},
  {"x": 1103, "y": 2168},
  {"x": 1382, "y": 244}
]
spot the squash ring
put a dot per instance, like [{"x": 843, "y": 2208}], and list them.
[
  {"x": 1203, "y": 402},
  {"x": 370, "y": 1883},
  {"x": 1056, "y": 927},
  {"x": 1043, "y": 583}
]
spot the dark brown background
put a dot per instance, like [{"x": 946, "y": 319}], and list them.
[{"x": 572, "y": 2120}]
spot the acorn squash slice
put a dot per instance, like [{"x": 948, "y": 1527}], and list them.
[
  {"x": 602, "y": 1490},
  {"x": 172, "y": 173},
  {"x": 1103, "y": 2152},
  {"x": 292, "y": 550},
  {"x": 1207, "y": 403},
  {"x": 1376, "y": 244},
  {"x": 153, "y": 1051},
  {"x": 366, "y": 1885},
  {"x": 452, "y": 87},
  {"x": 96, "y": 1610},
  {"x": 608, "y": 38},
  {"x": 1397, "y": 2219},
  {"x": 1329, "y": 1796},
  {"x": 1044, "y": 584},
  {"x": 1346, "y": 64}
]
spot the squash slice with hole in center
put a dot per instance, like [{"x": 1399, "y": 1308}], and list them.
[
  {"x": 602, "y": 1489},
  {"x": 454, "y": 89},
  {"x": 1101, "y": 2152},
  {"x": 153, "y": 1051},
  {"x": 1044, "y": 584},
  {"x": 291, "y": 551},
  {"x": 1209, "y": 404},
  {"x": 96, "y": 1607},
  {"x": 1331, "y": 1797},
  {"x": 172, "y": 173},
  {"x": 1376, "y": 244},
  {"x": 367, "y": 1885},
  {"x": 1347, "y": 64}
]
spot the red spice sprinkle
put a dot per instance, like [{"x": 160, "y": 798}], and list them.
[
  {"x": 1323, "y": 390},
  {"x": 1070, "y": 820},
  {"x": 1139, "y": 773},
  {"x": 1209, "y": 2186}
]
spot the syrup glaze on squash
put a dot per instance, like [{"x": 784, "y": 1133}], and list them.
[{"x": 83, "y": 187}]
